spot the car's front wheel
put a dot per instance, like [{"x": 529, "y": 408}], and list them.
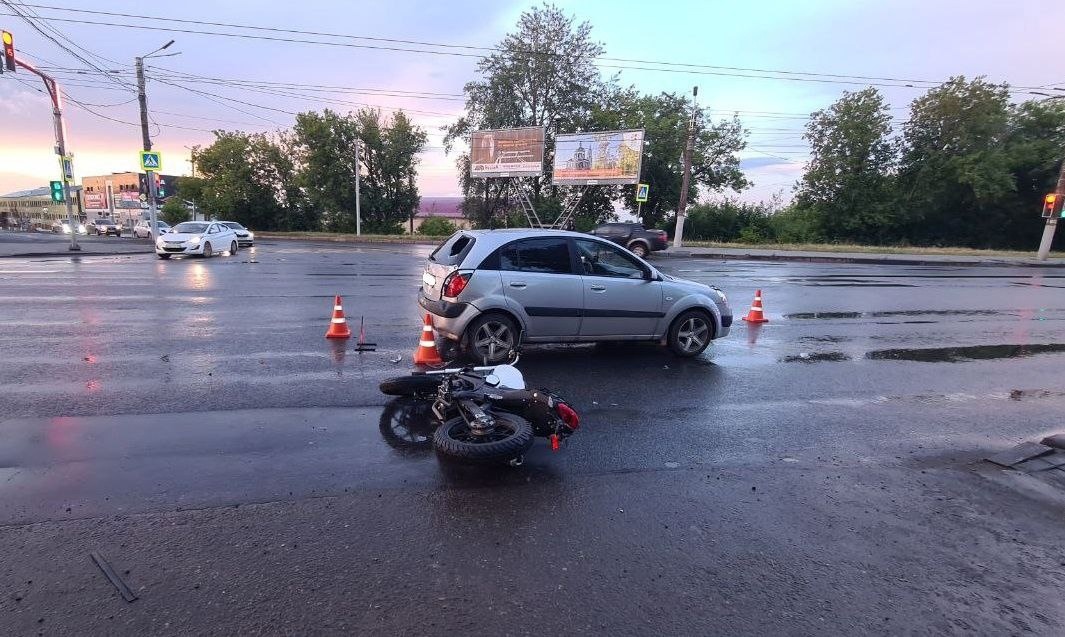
[
  {"x": 233, "y": 247},
  {"x": 690, "y": 333},
  {"x": 207, "y": 251},
  {"x": 163, "y": 256},
  {"x": 490, "y": 338}
]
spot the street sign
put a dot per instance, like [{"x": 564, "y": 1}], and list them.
[
  {"x": 58, "y": 195},
  {"x": 642, "y": 190},
  {"x": 67, "y": 164},
  {"x": 151, "y": 160}
]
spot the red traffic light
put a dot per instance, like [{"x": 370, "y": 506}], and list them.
[
  {"x": 9, "y": 50},
  {"x": 1052, "y": 205}
]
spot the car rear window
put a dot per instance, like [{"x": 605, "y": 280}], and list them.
[{"x": 452, "y": 251}]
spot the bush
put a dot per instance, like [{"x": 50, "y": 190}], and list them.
[
  {"x": 437, "y": 227},
  {"x": 174, "y": 212}
]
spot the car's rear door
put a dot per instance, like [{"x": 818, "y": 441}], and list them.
[
  {"x": 618, "y": 298},
  {"x": 539, "y": 281}
]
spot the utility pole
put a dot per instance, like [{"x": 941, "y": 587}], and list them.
[
  {"x": 358, "y": 169},
  {"x": 1052, "y": 222},
  {"x": 60, "y": 147},
  {"x": 146, "y": 139},
  {"x": 682, "y": 205}
]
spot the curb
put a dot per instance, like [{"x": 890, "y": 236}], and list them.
[
  {"x": 68, "y": 253},
  {"x": 870, "y": 260}
]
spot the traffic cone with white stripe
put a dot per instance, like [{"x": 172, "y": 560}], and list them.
[
  {"x": 338, "y": 327},
  {"x": 426, "y": 353},
  {"x": 756, "y": 315}
]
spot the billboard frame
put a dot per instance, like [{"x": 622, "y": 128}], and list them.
[
  {"x": 610, "y": 181},
  {"x": 506, "y": 174}
]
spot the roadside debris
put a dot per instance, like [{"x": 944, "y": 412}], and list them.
[{"x": 113, "y": 577}]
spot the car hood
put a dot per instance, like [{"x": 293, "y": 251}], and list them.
[{"x": 179, "y": 236}]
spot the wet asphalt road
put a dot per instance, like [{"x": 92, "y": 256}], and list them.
[{"x": 818, "y": 473}]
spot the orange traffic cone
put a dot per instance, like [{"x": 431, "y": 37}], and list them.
[
  {"x": 338, "y": 327},
  {"x": 756, "y": 315},
  {"x": 426, "y": 353}
]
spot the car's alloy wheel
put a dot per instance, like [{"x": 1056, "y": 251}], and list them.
[
  {"x": 207, "y": 251},
  {"x": 690, "y": 334},
  {"x": 233, "y": 248},
  {"x": 639, "y": 250},
  {"x": 492, "y": 338}
]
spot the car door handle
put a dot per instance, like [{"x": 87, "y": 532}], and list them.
[
  {"x": 518, "y": 284},
  {"x": 598, "y": 288}
]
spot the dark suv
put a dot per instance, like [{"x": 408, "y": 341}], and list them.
[{"x": 633, "y": 236}]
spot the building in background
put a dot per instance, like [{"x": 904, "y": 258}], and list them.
[
  {"x": 123, "y": 196},
  {"x": 449, "y": 208},
  {"x": 34, "y": 209}
]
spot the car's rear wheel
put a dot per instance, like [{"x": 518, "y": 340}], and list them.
[
  {"x": 690, "y": 333},
  {"x": 639, "y": 249},
  {"x": 490, "y": 338},
  {"x": 207, "y": 251}
]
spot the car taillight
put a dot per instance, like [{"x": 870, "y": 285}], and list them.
[
  {"x": 455, "y": 283},
  {"x": 568, "y": 415},
  {"x": 662, "y": 233}
]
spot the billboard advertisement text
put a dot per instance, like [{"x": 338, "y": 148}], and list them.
[{"x": 510, "y": 152}]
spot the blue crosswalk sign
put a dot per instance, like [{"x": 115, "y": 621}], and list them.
[{"x": 151, "y": 160}]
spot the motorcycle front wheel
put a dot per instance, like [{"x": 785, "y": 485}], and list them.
[
  {"x": 413, "y": 385},
  {"x": 510, "y": 437}
]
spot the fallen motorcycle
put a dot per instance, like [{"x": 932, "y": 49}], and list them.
[{"x": 485, "y": 414}]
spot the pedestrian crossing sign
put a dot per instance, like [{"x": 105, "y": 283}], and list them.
[
  {"x": 642, "y": 190},
  {"x": 151, "y": 160}
]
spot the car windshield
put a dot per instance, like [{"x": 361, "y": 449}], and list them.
[
  {"x": 232, "y": 224},
  {"x": 190, "y": 227}
]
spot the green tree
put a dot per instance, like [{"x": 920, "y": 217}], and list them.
[
  {"x": 847, "y": 186},
  {"x": 543, "y": 74},
  {"x": 955, "y": 169},
  {"x": 251, "y": 178},
  {"x": 437, "y": 227},
  {"x": 665, "y": 120},
  {"x": 174, "y": 211},
  {"x": 388, "y": 167}
]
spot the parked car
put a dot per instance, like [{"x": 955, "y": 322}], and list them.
[
  {"x": 245, "y": 237},
  {"x": 634, "y": 236},
  {"x": 491, "y": 290},
  {"x": 104, "y": 227},
  {"x": 202, "y": 238},
  {"x": 144, "y": 231},
  {"x": 60, "y": 225}
]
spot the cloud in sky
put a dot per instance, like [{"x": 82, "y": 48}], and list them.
[{"x": 1015, "y": 42}]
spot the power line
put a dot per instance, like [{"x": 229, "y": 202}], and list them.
[{"x": 678, "y": 67}]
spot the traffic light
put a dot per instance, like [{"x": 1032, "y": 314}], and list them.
[
  {"x": 1052, "y": 205},
  {"x": 58, "y": 195},
  {"x": 9, "y": 50},
  {"x": 160, "y": 186}
]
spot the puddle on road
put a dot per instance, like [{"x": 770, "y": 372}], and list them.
[
  {"x": 885, "y": 314},
  {"x": 824, "y": 339},
  {"x": 968, "y": 353},
  {"x": 816, "y": 357}
]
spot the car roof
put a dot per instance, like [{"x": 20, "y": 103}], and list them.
[{"x": 486, "y": 241}]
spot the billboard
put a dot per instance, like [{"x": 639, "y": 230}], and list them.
[
  {"x": 594, "y": 158},
  {"x": 94, "y": 200},
  {"x": 510, "y": 152}
]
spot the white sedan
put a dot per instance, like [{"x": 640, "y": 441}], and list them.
[{"x": 201, "y": 238}]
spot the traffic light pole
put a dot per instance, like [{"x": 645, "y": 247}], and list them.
[
  {"x": 147, "y": 141},
  {"x": 1052, "y": 222},
  {"x": 682, "y": 205},
  {"x": 60, "y": 147}
]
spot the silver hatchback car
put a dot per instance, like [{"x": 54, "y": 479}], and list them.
[{"x": 491, "y": 290}]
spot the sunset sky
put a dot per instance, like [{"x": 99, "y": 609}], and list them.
[{"x": 1019, "y": 43}]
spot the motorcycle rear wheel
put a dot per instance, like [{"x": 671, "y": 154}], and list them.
[{"x": 509, "y": 438}]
